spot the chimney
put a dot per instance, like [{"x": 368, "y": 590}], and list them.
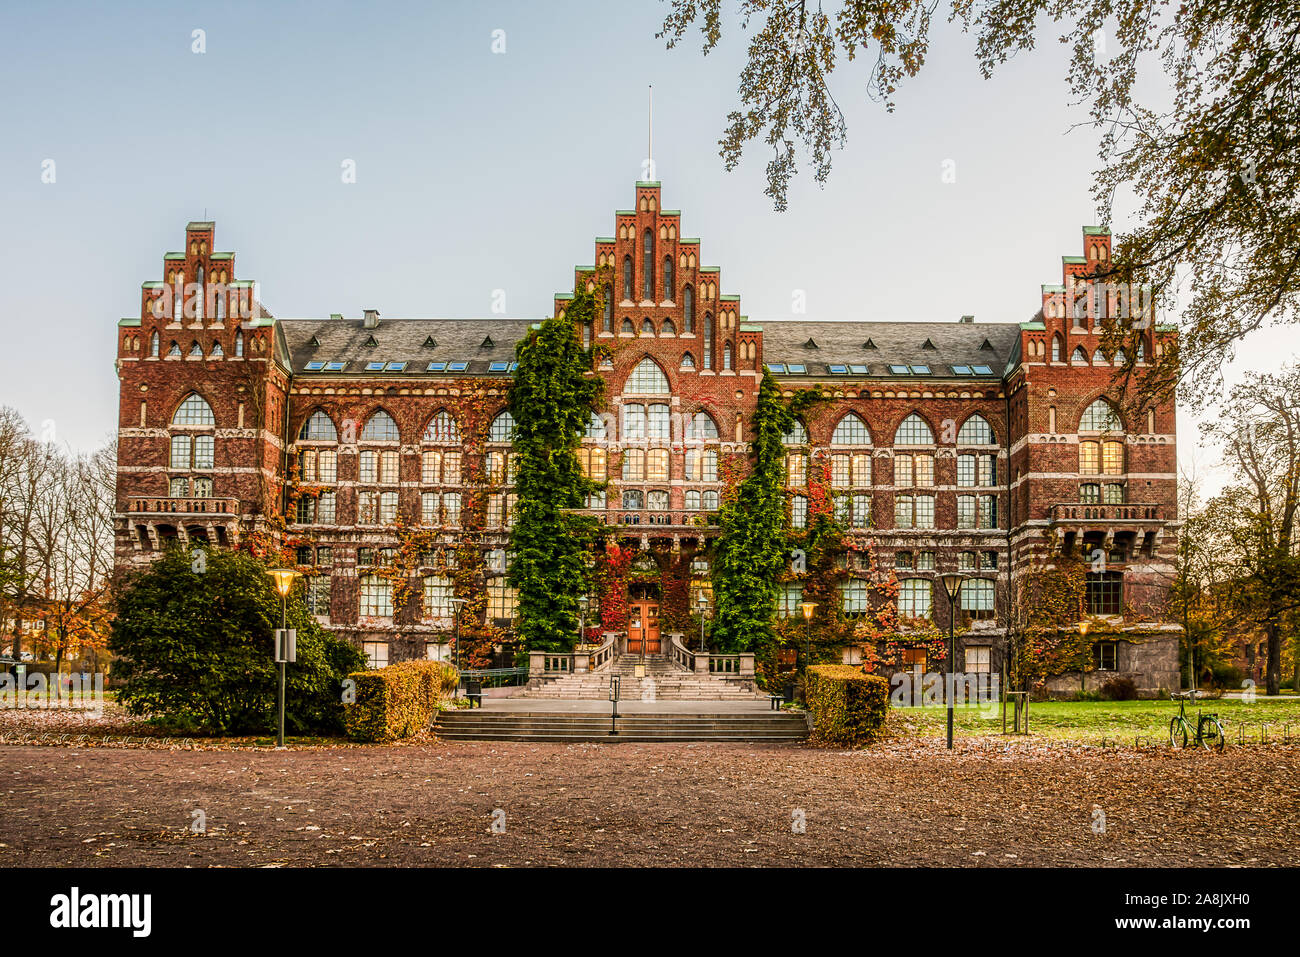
[
  {"x": 371, "y": 320},
  {"x": 967, "y": 319}
]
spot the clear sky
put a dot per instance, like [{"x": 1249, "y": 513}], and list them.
[{"x": 479, "y": 171}]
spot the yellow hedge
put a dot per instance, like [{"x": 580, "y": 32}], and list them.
[
  {"x": 397, "y": 701},
  {"x": 848, "y": 706}
]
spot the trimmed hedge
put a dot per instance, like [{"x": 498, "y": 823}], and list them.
[
  {"x": 397, "y": 701},
  {"x": 848, "y": 706}
]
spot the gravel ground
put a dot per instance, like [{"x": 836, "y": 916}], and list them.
[{"x": 434, "y": 803}]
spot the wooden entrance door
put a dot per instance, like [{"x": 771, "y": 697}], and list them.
[{"x": 643, "y": 628}]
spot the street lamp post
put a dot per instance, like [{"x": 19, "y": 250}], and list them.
[
  {"x": 807, "y": 607},
  {"x": 952, "y": 585},
  {"x": 283, "y": 578},
  {"x": 582, "y": 619},
  {"x": 703, "y": 602}
]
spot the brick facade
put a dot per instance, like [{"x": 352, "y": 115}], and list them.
[{"x": 1030, "y": 498}]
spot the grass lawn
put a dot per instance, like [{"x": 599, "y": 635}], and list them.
[{"x": 1092, "y": 721}]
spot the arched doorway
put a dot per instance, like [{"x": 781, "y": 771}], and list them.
[{"x": 643, "y": 620}]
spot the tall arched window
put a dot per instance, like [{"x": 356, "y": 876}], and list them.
[
  {"x": 688, "y": 309},
  {"x": 627, "y": 278},
  {"x": 200, "y": 298},
  {"x": 688, "y": 361},
  {"x": 1100, "y": 416},
  {"x": 190, "y": 449},
  {"x": 319, "y": 427},
  {"x": 850, "y": 431},
  {"x": 380, "y": 427},
  {"x": 648, "y": 266},
  {"x": 647, "y": 327},
  {"x": 914, "y": 430},
  {"x": 669, "y": 293},
  {"x": 1056, "y": 348},
  {"x": 153, "y": 345},
  {"x": 1079, "y": 356},
  {"x": 708, "y": 340},
  {"x": 798, "y": 434},
  {"x": 976, "y": 431},
  {"x": 239, "y": 343},
  {"x": 726, "y": 356},
  {"x": 628, "y": 329},
  {"x": 503, "y": 428},
  {"x": 607, "y": 320},
  {"x": 442, "y": 430},
  {"x": 701, "y": 428},
  {"x": 647, "y": 379},
  {"x": 667, "y": 328}
]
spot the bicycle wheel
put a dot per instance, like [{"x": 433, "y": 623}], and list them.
[
  {"x": 1178, "y": 732},
  {"x": 1210, "y": 733}
]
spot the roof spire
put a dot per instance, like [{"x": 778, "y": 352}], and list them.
[{"x": 650, "y": 132}]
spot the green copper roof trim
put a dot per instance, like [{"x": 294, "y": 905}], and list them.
[
  {"x": 173, "y": 255},
  {"x": 584, "y": 268},
  {"x": 734, "y": 297},
  {"x": 710, "y": 269},
  {"x": 128, "y": 322},
  {"x": 153, "y": 284},
  {"x": 243, "y": 283},
  {"x": 1073, "y": 259},
  {"x": 647, "y": 182},
  {"x": 223, "y": 255},
  {"x": 670, "y": 212},
  {"x": 749, "y": 327},
  {"x": 563, "y": 296},
  {"x": 1049, "y": 288},
  {"x": 1096, "y": 231},
  {"x": 1032, "y": 326},
  {"x": 604, "y": 239},
  {"x": 625, "y": 212},
  {"x": 201, "y": 224},
  {"x": 689, "y": 240},
  {"x": 1166, "y": 327}
]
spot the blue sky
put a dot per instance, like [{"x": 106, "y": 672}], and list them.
[{"x": 478, "y": 171}]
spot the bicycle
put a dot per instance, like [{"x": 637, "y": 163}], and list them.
[{"x": 1209, "y": 729}]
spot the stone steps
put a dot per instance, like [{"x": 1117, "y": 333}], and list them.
[
  {"x": 663, "y": 680},
  {"x": 473, "y": 725}
]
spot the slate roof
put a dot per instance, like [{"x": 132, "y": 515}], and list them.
[
  {"x": 937, "y": 346},
  {"x": 402, "y": 340}
]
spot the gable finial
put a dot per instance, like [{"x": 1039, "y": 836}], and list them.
[{"x": 650, "y": 132}]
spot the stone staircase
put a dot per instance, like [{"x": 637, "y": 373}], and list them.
[
  {"x": 569, "y": 728},
  {"x": 663, "y": 681}
]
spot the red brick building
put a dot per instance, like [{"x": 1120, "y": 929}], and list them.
[{"x": 985, "y": 448}]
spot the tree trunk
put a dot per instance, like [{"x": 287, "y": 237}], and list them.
[{"x": 1273, "y": 679}]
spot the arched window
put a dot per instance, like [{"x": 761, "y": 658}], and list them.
[
  {"x": 976, "y": 431},
  {"x": 595, "y": 428},
  {"x": 174, "y": 349},
  {"x": 193, "y": 410},
  {"x": 586, "y": 335},
  {"x": 1080, "y": 307},
  {"x": 153, "y": 345},
  {"x": 1079, "y": 356},
  {"x": 647, "y": 327},
  {"x": 442, "y": 429},
  {"x": 199, "y": 299},
  {"x": 701, "y": 428},
  {"x": 607, "y": 320},
  {"x": 1100, "y": 416},
  {"x": 850, "y": 431},
  {"x": 667, "y": 328},
  {"x": 708, "y": 340},
  {"x": 914, "y": 430},
  {"x": 688, "y": 361},
  {"x": 798, "y": 434},
  {"x": 220, "y": 305},
  {"x": 319, "y": 427},
  {"x": 380, "y": 427},
  {"x": 503, "y": 428},
  {"x": 669, "y": 294},
  {"x": 688, "y": 309},
  {"x": 1056, "y": 348},
  {"x": 1098, "y": 357},
  {"x": 627, "y": 277},
  {"x": 647, "y": 379},
  {"x": 196, "y": 350},
  {"x": 726, "y": 356},
  {"x": 239, "y": 343},
  {"x": 648, "y": 266},
  {"x": 633, "y": 499}
]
